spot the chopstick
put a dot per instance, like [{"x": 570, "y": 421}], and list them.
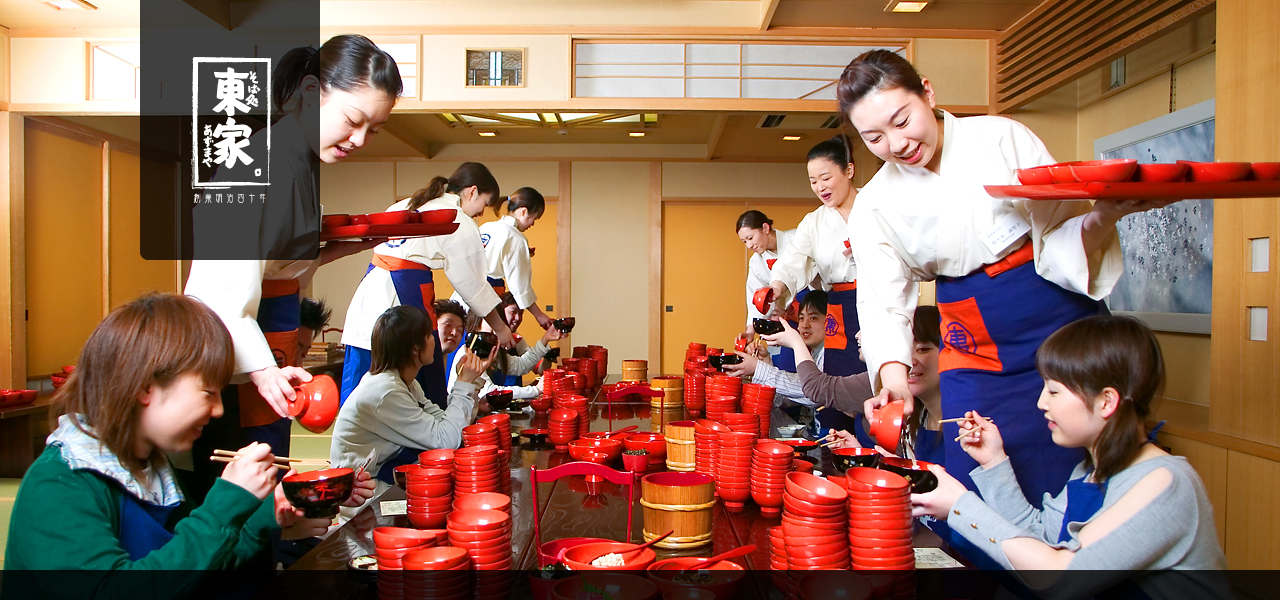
[
  {"x": 958, "y": 419},
  {"x": 284, "y": 459},
  {"x": 227, "y": 459}
]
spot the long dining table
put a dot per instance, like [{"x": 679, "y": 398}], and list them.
[{"x": 567, "y": 509}]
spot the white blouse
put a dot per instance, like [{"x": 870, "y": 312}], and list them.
[
  {"x": 507, "y": 255},
  {"x": 459, "y": 254},
  {"x": 233, "y": 289},
  {"x": 816, "y": 249},
  {"x": 911, "y": 225},
  {"x": 758, "y": 273}
]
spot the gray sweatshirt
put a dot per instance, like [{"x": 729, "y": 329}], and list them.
[
  {"x": 383, "y": 413},
  {"x": 845, "y": 394},
  {"x": 1174, "y": 532}
]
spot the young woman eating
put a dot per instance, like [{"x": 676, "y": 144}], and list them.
[
  {"x": 1009, "y": 272},
  {"x": 103, "y": 499},
  {"x": 1129, "y": 508},
  {"x": 388, "y": 411}
]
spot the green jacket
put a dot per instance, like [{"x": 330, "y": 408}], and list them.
[{"x": 69, "y": 520}]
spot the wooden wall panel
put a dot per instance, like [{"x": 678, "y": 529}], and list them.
[
  {"x": 63, "y": 245},
  {"x": 1253, "y": 516},
  {"x": 1244, "y": 392},
  {"x": 130, "y": 275},
  {"x": 1210, "y": 462},
  {"x": 1062, "y": 39}
]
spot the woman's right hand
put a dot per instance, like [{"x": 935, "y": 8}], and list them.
[
  {"x": 981, "y": 440},
  {"x": 789, "y": 337},
  {"x": 473, "y": 366},
  {"x": 893, "y": 387},
  {"x": 843, "y": 439},
  {"x": 779, "y": 307},
  {"x": 254, "y": 470},
  {"x": 275, "y": 385}
]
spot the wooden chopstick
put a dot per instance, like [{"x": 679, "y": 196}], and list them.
[
  {"x": 958, "y": 419},
  {"x": 285, "y": 459},
  {"x": 227, "y": 459}
]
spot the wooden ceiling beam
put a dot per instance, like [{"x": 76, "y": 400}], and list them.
[
  {"x": 717, "y": 130},
  {"x": 420, "y": 144},
  {"x": 767, "y": 9},
  {"x": 218, "y": 11}
]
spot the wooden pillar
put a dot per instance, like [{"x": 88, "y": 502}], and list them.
[{"x": 13, "y": 278}]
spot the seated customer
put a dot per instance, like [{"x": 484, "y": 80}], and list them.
[
  {"x": 103, "y": 498},
  {"x": 312, "y": 321},
  {"x": 451, "y": 328},
  {"x": 504, "y": 364},
  {"x": 1129, "y": 508},
  {"x": 387, "y": 411},
  {"x": 811, "y": 335}
]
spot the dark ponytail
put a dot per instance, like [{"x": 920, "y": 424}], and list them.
[
  {"x": 345, "y": 62},
  {"x": 1101, "y": 352},
  {"x": 468, "y": 174},
  {"x": 873, "y": 71},
  {"x": 835, "y": 150},
  {"x": 528, "y": 199},
  {"x": 753, "y": 219}
]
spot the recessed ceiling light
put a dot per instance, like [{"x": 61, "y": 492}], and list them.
[
  {"x": 68, "y": 4},
  {"x": 636, "y": 134},
  {"x": 488, "y": 133},
  {"x": 791, "y": 138},
  {"x": 905, "y": 7}
]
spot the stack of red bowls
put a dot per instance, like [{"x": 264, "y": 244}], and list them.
[
  {"x": 744, "y": 422},
  {"x": 733, "y": 467},
  {"x": 581, "y": 351},
  {"x": 694, "y": 350},
  {"x": 578, "y": 403},
  {"x": 476, "y": 470},
  {"x": 880, "y": 521},
  {"x": 601, "y": 355},
  {"x": 757, "y": 398},
  {"x": 563, "y": 425},
  {"x": 440, "y": 573},
  {"x": 782, "y": 581},
  {"x": 835, "y": 584},
  {"x": 770, "y": 463},
  {"x": 722, "y": 394},
  {"x": 429, "y": 496},
  {"x": 815, "y": 523},
  {"x": 553, "y": 382},
  {"x": 392, "y": 543},
  {"x": 695, "y": 392},
  {"x": 483, "y": 501},
  {"x": 503, "y": 423},
  {"x": 440, "y": 458},
  {"x": 485, "y": 535},
  {"x": 706, "y": 445},
  {"x": 590, "y": 368},
  {"x": 571, "y": 364},
  {"x": 480, "y": 434}
]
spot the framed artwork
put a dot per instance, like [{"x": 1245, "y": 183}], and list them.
[{"x": 1168, "y": 253}]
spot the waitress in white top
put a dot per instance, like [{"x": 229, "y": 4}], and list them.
[
  {"x": 766, "y": 243},
  {"x": 1009, "y": 272},
  {"x": 400, "y": 274},
  {"x": 819, "y": 248},
  {"x": 348, "y": 87},
  {"x": 507, "y": 252}
]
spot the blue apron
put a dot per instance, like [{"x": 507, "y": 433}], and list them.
[
  {"x": 992, "y": 326},
  {"x": 840, "y": 350},
  {"x": 142, "y": 526}
]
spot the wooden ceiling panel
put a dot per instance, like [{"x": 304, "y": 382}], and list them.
[{"x": 941, "y": 14}]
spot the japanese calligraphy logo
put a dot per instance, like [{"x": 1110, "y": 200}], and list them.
[
  {"x": 966, "y": 342},
  {"x": 229, "y": 97},
  {"x": 484, "y": 240},
  {"x": 958, "y": 337},
  {"x": 831, "y": 327}
]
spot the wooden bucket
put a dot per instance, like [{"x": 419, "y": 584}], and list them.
[
  {"x": 680, "y": 503},
  {"x": 680, "y": 450},
  {"x": 672, "y": 388},
  {"x": 658, "y": 420},
  {"x": 635, "y": 370}
]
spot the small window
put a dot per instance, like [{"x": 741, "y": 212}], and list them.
[
  {"x": 114, "y": 71},
  {"x": 406, "y": 56},
  {"x": 495, "y": 68},
  {"x": 1117, "y": 77}
]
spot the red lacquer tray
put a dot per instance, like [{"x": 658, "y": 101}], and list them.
[
  {"x": 1138, "y": 190},
  {"x": 407, "y": 230}
]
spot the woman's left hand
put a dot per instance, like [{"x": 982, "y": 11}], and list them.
[
  {"x": 938, "y": 503},
  {"x": 363, "y": 490},
  {"x": 789, "y": 337},
  {"x": 552, "y": 335},
  {"x": 292, "y": 525}
]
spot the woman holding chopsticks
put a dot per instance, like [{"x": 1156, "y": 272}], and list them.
[{"x": 103, "y": 497}]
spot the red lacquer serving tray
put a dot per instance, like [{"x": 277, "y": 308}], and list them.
[
  {"x": 407, "y": 230},
  {"x": 1138, "y": 190}
]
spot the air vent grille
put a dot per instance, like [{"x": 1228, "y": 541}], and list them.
[
  {"x": 831, "y": 123},
  {"x": 771, "y": 121}
]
